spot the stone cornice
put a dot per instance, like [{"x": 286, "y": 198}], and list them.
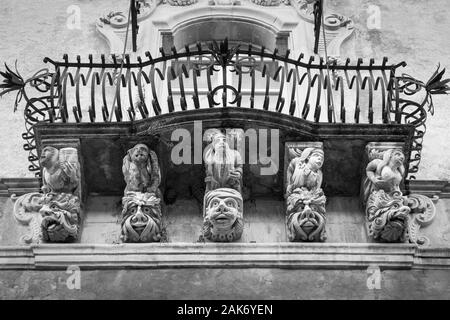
[
  {"x": 185, "y": 255},
  {"x": 430, "y": 188},
  {"x": 18, "y": 186}
]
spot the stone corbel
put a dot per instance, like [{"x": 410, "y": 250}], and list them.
[
  {"x": 305, "y": 200},
  {"x": 391, "y": 216},
  {"x": 223, "y": 203},
  {"x": 55, "y": 214},
  {"x": 142, "y": 214}
]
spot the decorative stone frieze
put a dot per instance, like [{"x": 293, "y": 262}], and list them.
[
  {"x": 305, "y": 200},
  {"x": 223, "y": 203},
  {"x": 391, "y": 216},
  {"x": 55, "y": 214},
  {"x": 141, "y": 214}
]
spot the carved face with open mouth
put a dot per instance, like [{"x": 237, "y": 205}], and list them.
[
  {"x": 141, "y": 220},
  {"x": 60, "y": 218},
  {"x": 223, "y": 215},
  {"x": 306, "y": 224},
  {"x": 388, "y": 217}
]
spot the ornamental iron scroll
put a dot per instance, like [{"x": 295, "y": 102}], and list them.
[{"x": 296, "y": 86}]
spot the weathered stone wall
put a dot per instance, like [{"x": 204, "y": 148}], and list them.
[
  {"x": 413, "y": 30},
  {"x": 226, "y": 284}
]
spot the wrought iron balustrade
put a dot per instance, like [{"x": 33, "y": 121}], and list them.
[{"x": 216, "y": 75}]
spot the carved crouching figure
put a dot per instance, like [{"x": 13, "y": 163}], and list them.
[
  {"x": 386, "y": 212},
  {"x": 305, "y": 198},
  {"x": 141, "y": 214}
]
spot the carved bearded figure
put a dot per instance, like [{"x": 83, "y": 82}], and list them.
[
  {"x": 223, "y": 217},
  {"x": 386, "y": 212},
  {"x": 141, "y": 217},
  {"x": 223, "y": 165},
  {"x": 305, "y": 199},
  {"x": 60, "y": 217}
]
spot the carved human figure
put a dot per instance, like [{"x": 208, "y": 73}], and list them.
[
  {"x": 223, "y": 165},
  {"x": 386, "y": 210},
  {"x": 59, "y": 174},
  {"x": 141, "y": 170},
  {"x": 141, "y": 217},
  {"x": 223, "y": 215},
  {"x": 387, "y": 173},
  {"x": 304, "y": 197}
]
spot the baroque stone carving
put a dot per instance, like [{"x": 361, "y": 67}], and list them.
[
  {"x": 55, "y": 214},
  {"x": 305, "y": 199},
  {"x": 181, "y": 2},
  {"x": 141, "y": 170},
  {"x": 223, "y": 215},
  {"x": 141, "y": 214},
  {"x": 223, "y": 164},
  {"x": 391, "y": 216},
  {"x": 141, "y": 217},
  {"x": 223, "y": 203},
  {"x": 267, "y": 3}
]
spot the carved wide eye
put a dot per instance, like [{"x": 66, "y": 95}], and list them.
[
  {"x": 53, "y": 206},
  {"x": 133, "y": 210},
  {"x": 215, "y": 203},
  {"x": 146, "y": 210},
  {"x": 230, "y": 203}
]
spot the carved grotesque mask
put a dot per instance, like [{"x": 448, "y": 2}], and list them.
[
  {"x": 60, "y": 216},
  {"x": 387, "y": 216},
  {"x": 306, "y": 219},
  {"x": 223, "y": 215},
  {"x": 141, "y": 217}
]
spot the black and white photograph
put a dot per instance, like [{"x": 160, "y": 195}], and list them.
[{"x": 225, "y": 155}]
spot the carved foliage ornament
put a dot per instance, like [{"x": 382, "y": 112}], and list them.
[
  {"x": 305, "y": 199},
  {"x": 141, "y": 214}
]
